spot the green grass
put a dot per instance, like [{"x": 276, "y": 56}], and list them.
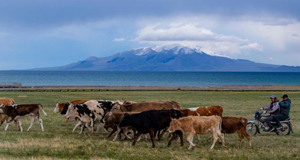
[{"x": 57, "y": 142}]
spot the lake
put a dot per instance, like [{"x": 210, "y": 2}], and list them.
[{"x": 108, "y": 78}]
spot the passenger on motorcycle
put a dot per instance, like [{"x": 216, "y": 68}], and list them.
[
  {"x": 285, "y": 107},
  {"x": 273, "y": 109}
]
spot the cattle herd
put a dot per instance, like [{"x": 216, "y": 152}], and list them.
[{"x": 153, "y": 118}]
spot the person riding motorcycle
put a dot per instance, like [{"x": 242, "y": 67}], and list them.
[
  {"x": 285, "y": 107},
  {"x": 273, "y": 109}
]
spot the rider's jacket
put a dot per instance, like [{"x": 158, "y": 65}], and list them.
[
  {"x": 274, "y": 108},
  {"x": 285, "y": 107}
]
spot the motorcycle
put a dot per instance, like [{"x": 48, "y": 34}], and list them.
[{"x": 259, "y": 124}]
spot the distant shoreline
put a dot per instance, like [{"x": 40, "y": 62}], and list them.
[{"x": 156, "y": 88}]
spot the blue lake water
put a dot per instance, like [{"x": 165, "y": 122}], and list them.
[{"x": 103, "y": 78}]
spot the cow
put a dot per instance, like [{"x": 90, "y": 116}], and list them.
[
  {"x": 188, "y": 112},
  {"x": 18, "y": 111},
  {"x": 203, "y": 111},
  {"x": 233, "y": 125},
  {"x": 145, "y": 106},
  {"x": 192, "y": 125},
  {"x": 149, "y": 122},
  {"x": 210, "y": 111},
  {"x": 5, "y": 102},
  {"x": 86, "y": 113},
  {"x": 112, "y": 120},
  {"x": 63, "y": 107}
]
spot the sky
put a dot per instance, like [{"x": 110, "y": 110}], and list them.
[{"x": 48, "y": 33}]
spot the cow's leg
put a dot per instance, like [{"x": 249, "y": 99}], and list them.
[
  {"x": 215, "y": 138},
  {"x": 162, "y": 133},
  {"x": 199, "y": 140},
  {"x": 174, "y": 136},
  {"x": 41, "y": 123},
  {"x": 78, "y": 124},
  {"x": 31, "y": 123},
  {"x": 241, "y": 139},
  {"x": 156, "y": 132},
  {"x": 90, "y": 127},
  {"x": 20, "y": 125},
  {"x": 16, "y": 123},
  {"x": 118, "y": 131},
  {"x": 7, "y": 124},
  {"x": 208, "y": 139},
  {"x": 113, "y": 131},
  {"x": 67, "y": 120},
  {"x": 244, "y": 132},
  {"x": 125, "y": 131},
  {"x": 180, "y": 136},
  {"x": 83, "y": 124},
  {"x": 136, "y": 136},
  {"x": 190, "y": 140},
  {"x": 222, "y": 135},
  {"x": 152, "y": 137}
]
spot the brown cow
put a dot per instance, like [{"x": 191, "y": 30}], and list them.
[
  {"x": 192, "y": 125},
  {"x": 6, "y": 102},
  {"x": 63, "y": 107},
  {"x": 145, "y": 106},
  {"x": 210, "y": 111},
  {"x": 188, "y": 112},
  {"x": 233, "y": 125},
  {"x": 21, "y": 110},
  {"x": 202, "y": 111}
]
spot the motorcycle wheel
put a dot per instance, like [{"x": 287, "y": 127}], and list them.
[
  {"x": 286, "y": 129},
  {"x": 251, "y": 129}
]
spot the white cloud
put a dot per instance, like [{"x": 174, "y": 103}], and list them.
[
  {"x": 252, "y": 46},
  {"x": 192, "y": 35}
]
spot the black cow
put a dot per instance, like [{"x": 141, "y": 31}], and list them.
[{"x": 149, "y": 122}]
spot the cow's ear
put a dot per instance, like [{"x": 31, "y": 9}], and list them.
[{"x": 171, "y": 118}]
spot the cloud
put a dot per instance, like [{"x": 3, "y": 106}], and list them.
[
  {"x": 252, "y": 46},
  {"x": 119, "y": 39},
  {"x": 192, "y": 35}
]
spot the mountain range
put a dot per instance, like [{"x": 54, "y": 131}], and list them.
[{"x": 170, "y": 58}]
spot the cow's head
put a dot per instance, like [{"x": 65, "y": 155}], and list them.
[
  {"x": 176, "y": 114},
  {"x": 56, "y": 109},
  {"x": 174, "y": 125},
  {"x": 116, "y": 107},
  {"x": 108, "y": 120}
]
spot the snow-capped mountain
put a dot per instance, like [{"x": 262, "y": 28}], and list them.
[{"x": 169, "y": 58}]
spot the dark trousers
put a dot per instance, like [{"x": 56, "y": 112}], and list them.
[
  {"x": 268, "y": 120},
  {"x": 280, "y": 117}
]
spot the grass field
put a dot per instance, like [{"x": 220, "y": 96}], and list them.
[{"x": 57, "y": 142}]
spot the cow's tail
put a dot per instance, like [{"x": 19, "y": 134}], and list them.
[
  {"x": 220, "y": 126},
  {"x": 43, "y": 110}
]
